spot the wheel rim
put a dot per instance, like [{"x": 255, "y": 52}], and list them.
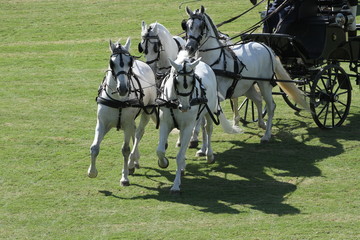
[{"x": 330, "y": 97}]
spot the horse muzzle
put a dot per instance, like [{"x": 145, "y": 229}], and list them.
[
  {"x": 184, "y": 108},
  {"x": 122, "y": 90}
]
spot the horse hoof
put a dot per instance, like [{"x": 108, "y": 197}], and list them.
[
  {"x": 182, "y": 172},
  {"x": 166, "y": 163},
  {"x": 193, "y": 144},
  {"x": 137, "y": 166},
  {"x": 200, "y": 154},
  {"x": 132, "y": 171},
  {"x": 124, "y": 183},
  {"x": 92, "y": 174},
  {"x": 175, "y": 192},
  {"x": 178, "y": 144},
  {"x": 210, "y": 160},
  {"x": 264, "y": 141}
]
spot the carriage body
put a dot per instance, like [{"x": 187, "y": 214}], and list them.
[{"x": 314, "y": 49}]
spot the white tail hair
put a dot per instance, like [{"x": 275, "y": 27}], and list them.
[
  {"x": 227, "y": 125},
  {"x": 288, "y": 87}
]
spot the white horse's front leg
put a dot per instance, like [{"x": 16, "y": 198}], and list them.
[
  {"x": 129, "y": 131},
  {"x": 194, "y": 141},
  {"x": 202, "y": 151},
  {"x": 185, "y": 136},
  {"x": 164, "y": 131},
  {"x": 209, "y": 129},
  {"x": 100, "y": 132},
  {"x": 135, "y": 154}
]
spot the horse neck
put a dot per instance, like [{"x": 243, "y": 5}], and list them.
[
  {"x": 169, "y": 89},
  {"x": 215, "y": 48}
]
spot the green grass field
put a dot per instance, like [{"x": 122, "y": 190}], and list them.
[{"x": 304, "y": 184}]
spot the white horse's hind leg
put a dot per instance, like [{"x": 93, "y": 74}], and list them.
[
  {"x": 135, "y": 154},
  {"x": 254, "y": 95},
  {"x": 266, "y": 91},
  {"x": 100, "y": 132},
  {"x": 185, "y": 136},
  {"x": 129, "y": 131},
  {"x": 235, "y": 105}
]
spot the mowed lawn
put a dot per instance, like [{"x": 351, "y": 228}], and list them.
[{"x": 303, "y": 184}]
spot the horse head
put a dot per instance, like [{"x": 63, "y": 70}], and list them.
[
  {"x": 195, "y": 28},
  {"x": 150, "y": 44},
  {"x": 121, "y": 63},
  {"x": 184, "y": 80}
]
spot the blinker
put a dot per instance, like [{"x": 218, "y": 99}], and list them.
[
  {"x": 183, "y": 24},
  {"x": 140, "y": 48}
]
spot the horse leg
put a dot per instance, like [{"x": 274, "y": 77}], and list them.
[
  {"x": 266, "y": 91},
  {"x": 100, "y": 132},
  {"x": 185, "y": 136},
  {"x": 164, "y": 131},
  {"x": 209, "y": 129},
  {"x": 202, "y": 151},
  {"x": 194, "y": 141},
  {"x": 135, "y": 154},
  {"x": 234, "y": 106},
  {"x": 129, "y": 131},
  {"x": 257, "y": 99}
]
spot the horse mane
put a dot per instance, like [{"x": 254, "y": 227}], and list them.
[
  {"x": 212, "y": 25},
  {"x": 183, "y": 56}
]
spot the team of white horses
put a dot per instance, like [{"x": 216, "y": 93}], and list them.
[{"x": 185, "y": 81}]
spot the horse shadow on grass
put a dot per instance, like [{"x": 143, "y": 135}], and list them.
[{"x": 252, "y": 175}]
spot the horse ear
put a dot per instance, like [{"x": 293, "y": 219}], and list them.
[
  {"x": 175, "y": 65},
  {"x": 111, "y": 46},
  {"x": 202, "y": 10},
  {"x": 143, "y": 26},
  {"x": 189, "y": 12},
  {"x": 195, "y": 63},
  {"x": 128, "y": 44}
]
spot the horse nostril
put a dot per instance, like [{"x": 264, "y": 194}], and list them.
[{"x": 122, "y": 91}]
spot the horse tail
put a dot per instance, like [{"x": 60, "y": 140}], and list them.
[
  {"x": 289, "y": 88},
  {"x": 227, "y": 126}
]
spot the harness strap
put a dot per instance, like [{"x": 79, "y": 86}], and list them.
[
  {"x": 118, "y": 126},
  {"x": 174, "y": 119}
]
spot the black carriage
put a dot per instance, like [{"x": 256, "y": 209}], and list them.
[{"x": 315, "y": 49}]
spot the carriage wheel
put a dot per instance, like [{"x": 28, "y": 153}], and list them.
[
  {"x": 248, "y": 112},
  {"x": 289, "y": 101},
  {"x": 330, "y": 97}
]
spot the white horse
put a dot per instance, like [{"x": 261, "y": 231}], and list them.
[
  {"x": 237, "y": 68},
  {"x": 159, "y": 47},
  {"x": 128, "y": 87},
  {"x": 190, "y": 92}
]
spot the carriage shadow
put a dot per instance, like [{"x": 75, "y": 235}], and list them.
[{"x": 252, "y": 175}]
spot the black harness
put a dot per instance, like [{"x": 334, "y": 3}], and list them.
[
  {"x": 136, "y": 102},
  {"x": 158, "y": 48},
  {"x": 199, "y": 99},
  {"x": 235, "y": 74}
]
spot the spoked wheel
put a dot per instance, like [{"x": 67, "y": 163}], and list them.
[
  {"x": 330, "y": 97},
  {"x": 289, "y": 101},
  {"x": 248, "y": 112}
]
